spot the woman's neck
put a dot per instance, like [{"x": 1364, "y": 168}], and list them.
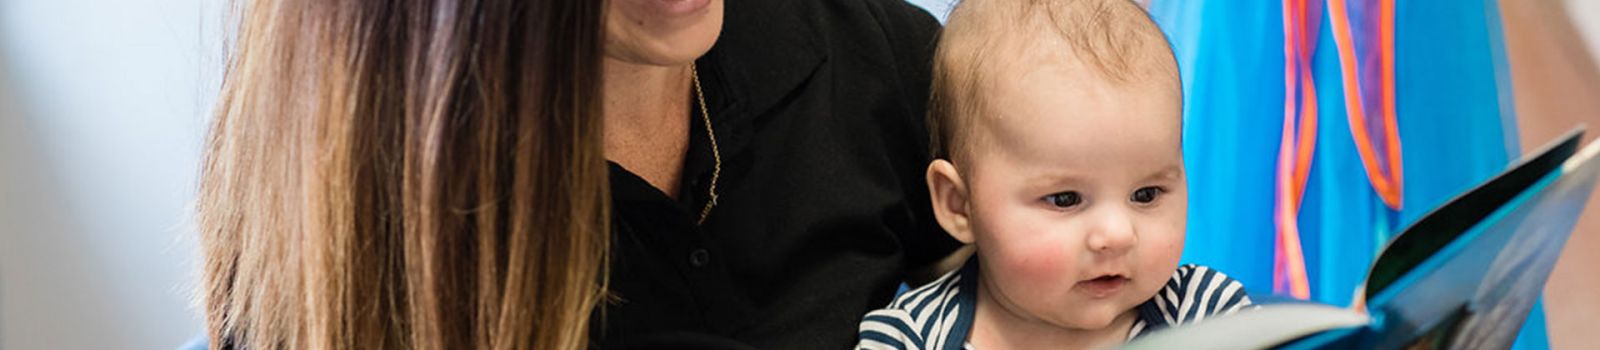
[
  {"x": 637, "y": 93},
  {"x": 646, "y": 120},
  {"x": 997, "y": 327}
]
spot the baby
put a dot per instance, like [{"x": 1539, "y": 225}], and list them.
[{"x": 1057, "y": 128}]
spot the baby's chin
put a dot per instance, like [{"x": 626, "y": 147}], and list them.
[{"x": 1092, "y": 318}]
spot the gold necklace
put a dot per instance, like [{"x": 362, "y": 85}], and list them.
[{"x": 716, "y": 155}]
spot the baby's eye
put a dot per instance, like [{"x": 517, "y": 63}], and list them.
[
  {"x": 1064, "y": 199},
  {"x": 1146, "y": 194}
]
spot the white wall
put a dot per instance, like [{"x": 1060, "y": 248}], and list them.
[
  {"x": 101, "y": 113},
  {"x": 939, "y": 8},
  {"x": 1586, "y": 16}
]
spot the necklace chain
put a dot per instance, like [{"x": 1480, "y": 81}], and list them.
[{"x": 716, "y": 154}]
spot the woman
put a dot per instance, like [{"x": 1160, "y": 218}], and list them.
[
  {"x": 801, "y": 207},
  {"x": 428, "y": 173}
]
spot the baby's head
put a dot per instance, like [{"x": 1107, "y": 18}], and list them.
[{"x": 1058, "y": 128}]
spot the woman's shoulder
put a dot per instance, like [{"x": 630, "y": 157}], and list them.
[
  {"x": 838, "y": 12},
  {"x": 846, "y": 29},
  {"x": 889, "y": 42}
]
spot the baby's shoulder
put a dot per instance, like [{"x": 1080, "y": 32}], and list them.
[
  {"x": 1197, "y": 291},
  {"x": 934, "y": 314},
  {"x": 1201, "y": 273}
]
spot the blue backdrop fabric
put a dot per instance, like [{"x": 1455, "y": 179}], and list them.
[{"x": 1456, "y": 125}]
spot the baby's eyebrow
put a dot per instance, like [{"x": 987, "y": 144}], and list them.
[
  {"x": 1054, "y": 179},
  {"x": 1166, "y": 173}
]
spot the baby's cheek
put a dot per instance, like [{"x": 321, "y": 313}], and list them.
[
  {"x": 1027, "y": 253},
  {"x": 1170, "y": 241},
  {"x": 1039, "y": 264},
  {"x": 1161, "y": 255}
]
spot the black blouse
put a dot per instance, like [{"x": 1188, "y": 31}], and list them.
[{"x": 818, "y": 110}]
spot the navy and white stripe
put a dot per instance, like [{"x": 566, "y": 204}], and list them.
[
  {"x": 934, "y": 316},
  {"x": 939, "y": 315},
  {"x": 1193, "y": 293}
]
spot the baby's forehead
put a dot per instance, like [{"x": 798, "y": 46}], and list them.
[
  {"x": 1055, "y": 107},
  {"x": 1065, "y": 90},
  {"x": 1140, "y": 68}
]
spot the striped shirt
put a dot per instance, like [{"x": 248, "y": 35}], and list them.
[{"x": 939, "y": 315}]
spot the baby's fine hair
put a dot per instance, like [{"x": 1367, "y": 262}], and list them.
[{"x": 1115, "y": 39}]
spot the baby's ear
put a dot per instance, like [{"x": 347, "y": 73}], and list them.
[{"x": 950, "y": 202}]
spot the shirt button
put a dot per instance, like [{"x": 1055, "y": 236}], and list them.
[{"x": 699, "y": 258}]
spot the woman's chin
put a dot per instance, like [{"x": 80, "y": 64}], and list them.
[{"x": 664, "y": 42}]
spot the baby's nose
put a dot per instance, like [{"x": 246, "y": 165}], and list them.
[{"x": 1112, "y": 233}]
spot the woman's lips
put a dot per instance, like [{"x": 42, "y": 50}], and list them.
[
  {"x": 1102, "y": 286},
  {"x": 676, "y": 7}
]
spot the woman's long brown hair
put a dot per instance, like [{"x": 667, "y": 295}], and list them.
[{"x": 406, "y": 174}]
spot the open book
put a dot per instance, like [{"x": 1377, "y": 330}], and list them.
[{"x": 1465, "y": 275}]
